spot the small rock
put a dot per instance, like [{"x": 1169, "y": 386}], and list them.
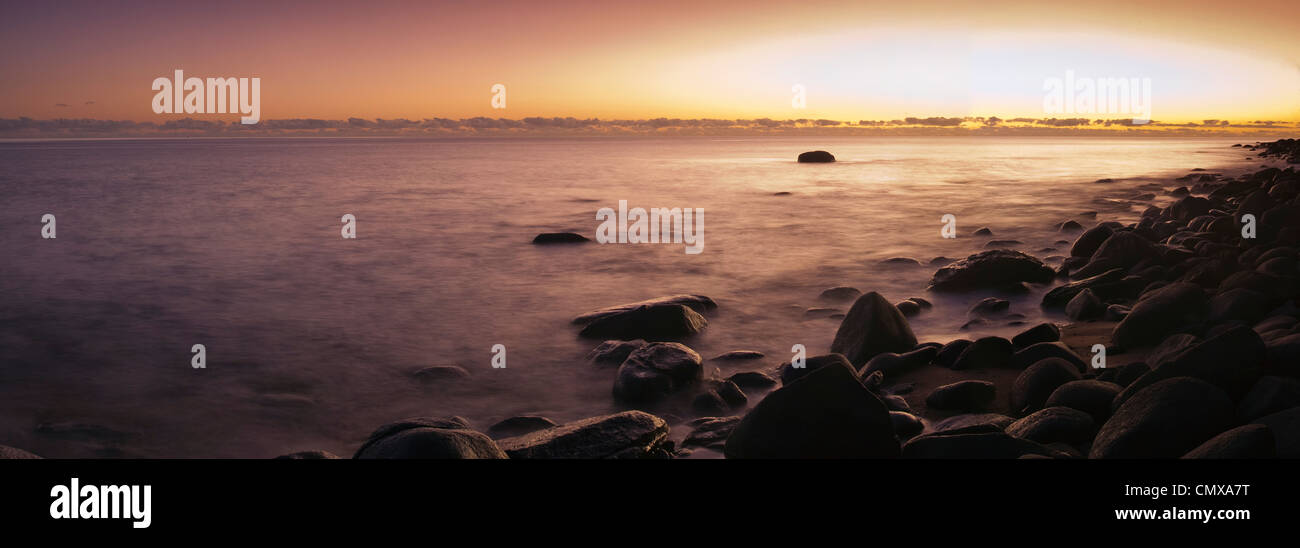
[{"x": 559, "y": 238}]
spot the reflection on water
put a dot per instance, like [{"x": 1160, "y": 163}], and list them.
[{"x": 310, "y": 338}]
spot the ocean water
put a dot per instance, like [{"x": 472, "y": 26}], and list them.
[{"x": 310, "y": 338}]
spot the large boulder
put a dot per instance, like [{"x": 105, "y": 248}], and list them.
[
  {"x": 998, "y": 268},
  {"x": 1089, "y": 395},
  {"x": 1159, "y": 314},
  {"x": 698, "y": 303},
  {"x": 1165, "y": 420},
  {"x": 826, "y": 414},
  {"x": 650, "y": 322},
  {"x": 1037, "y": 382},
  {"x": 1252, "y": 441},
  {"x": 1231, "y": 361},
  {"x": 789, "y": 373},
  {"x": 872, "y": 326},
  {"x": 1088, "y": 242},
  {"x": 629, "y": 434},
  {"x": 656, "y": 370}
]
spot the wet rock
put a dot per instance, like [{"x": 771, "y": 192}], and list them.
[
  {"x": 620, "y": 435},
  {"x": 896, "y": 403},
  {"x": 613, "y": 353},
  {"x": 989, "y": 445},
  {"x": 309, "y": 455},
  {"x": 908, "y": 308},
  {"x": 1035, "y": 353},
  {"x": 1107, "y": 283},
  {"x": 1238, "y": 304},
  {"x": 826, "y": 414},
  {"x": 1286, "y": 431},
  {"x": 990, "y": 306},
  {"x": 969, "y": 395},
  {"x": 559, "y": 238},
  {"x": 1164, "y": 420},
  {"x": 1002, "y": 244},
  {"x": 1055, "y": 424},
  {"x": 1069, "y": 226},
  {"x": 1160, "y": 314},
  {"x": 1170, "y": 348},
  {"x": 651, "y": 322},
  {"x": 1043, "y": 332},
  {"x": 711, "y": 432},
  {"x": 698, "y": 303},
  {"x": 838, "y": 294},
  {"x": 1037, "y": 382},
  {"x": 709, "y": 404},
  {"x": 738, "y": 355},
  {"x": 1088, "y": 242},
  {"x": 1120, "y": 250},
  {"x": 816, "y": 156},
  {"x": 1231, "y": 361},
  {"x": 755, "y": 380},
  {"x": 986, "y": 231},
  {"x": 1270, "y": 394},
  {"x": 986, "y": 352},
  {"x": 653, "y": 371},
  {"x": 789, "y": 373},
  {"x": 819, "y": 312},
  {"x": 519, "y": 425},
  {"x": 1085, "y": 306},
  {"x": 431, "y": 443},
  {"x": 1189, "y": 207},
  {"x": 731, "y": 393},
  {"x": 949, "y": 353},
  {"x": 1115, "y": 313},
  {"x": 1089, "y": 396},
  {"x": 1252, "y": 441},
  {"x": 871, "y": 327},
  {"x": 906, "y": 424},
  {"x": 991, "y": 269},
  {"x": 890, "y": 363}
]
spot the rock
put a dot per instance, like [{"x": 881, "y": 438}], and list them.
[
  {"x": 1037, "y": 382},
  {"x": 990, "y": 306},
  {"x": 1159, "y": 314},
  {"x": 986, "y": 231},
  {"x": 753, "y": 380},
  {"x": 1002, "y": 244},
  {"x": 711, "y": 432},
  {"x": 440, "y": 373},
  {"x": 1284, "y": 355},
  {"x": 872, "y": 326},
  {"x": 1120, "y": 250},
  {"x": 890, "y": 363},
  {"x": 709, "y": 404},
  {"x": 1270, "y": 394},
  {"x": 908, "y": 308},
  {"x": 309, "y": 455},
  {"x": 819, "y": 312},
  {"x": 842, "y": 293},
  {"x": 1085, "y": 306},
  {"x": 1230, "y": 361},
  {"x": 1055, "y": 424},
  {"x": 1043, "y": 332},
  {"x": 896, "y": 403},
  {"x": 655, "y": 370},
  {"x": 1107, "y": 283},
  {"x": 520, "y": 425},
  {"x": 826, "y": 414},
  {"x": 1035, "y": 353},
  {"x": 1252, "y": 441},
  {"x": 14, "y": 453},
  {"x": 816, "y": 156},
  {"x": 949, "y": 353},
  {"x": 736, "y": 355},
  {"x": 1188, "y": 208},
  {"x": 1115, "y": 313},
  {"x": 1170, "y": 348},
  {"x": 989, "y": 445},
  {"x": 906, "y": 424},
  {"x": 1286, "y": 431},
  {"x": 969, "y": 395},
  {"x": 1089, "y": 396},
  {"x": 432, "y": 443},
  {"x": 1164, "y": 420},
  {"x": 1069, "y": 226},
  {"x": 651, "y": 322},
  {"x": 630, "y": 433},
  {"x": 1088, "y": 242},
  {"x": 989, "y": 422},
  {"x": 559, "y": 238},
  {"x": 387, "y": 430},
  {"x": 698, "y": 303},
  {"x": 991, "y": 269},
  {"x": 986, "y": 352},
  {"x": 731, "y": 393},
  {"x": 1238, "y": 304},
  {"x": 1129, "y": 373},
  {"x": 789, "y": 373},
  {"x": 613, "y": 353}
]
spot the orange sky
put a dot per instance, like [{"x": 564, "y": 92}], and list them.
[{"x": 857, "y": 60}]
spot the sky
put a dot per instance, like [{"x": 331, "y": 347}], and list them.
[{"x": 853, "y": 60}]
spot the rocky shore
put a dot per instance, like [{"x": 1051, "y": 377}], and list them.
[{"x": 1193, "y": 310}]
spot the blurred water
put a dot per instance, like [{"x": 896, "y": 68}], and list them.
[{"x": 310, "y": 338}]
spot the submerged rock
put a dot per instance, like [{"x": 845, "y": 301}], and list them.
[
  {"x": 842, "y": 293},
  {"x": 826, "y": 414},
  {"x": 560, "y": 238},
  {"x": 613, "y": 353},
  {"x": 652, "y": 322},
  {"x": 698, "y": 303},
  {"x": 621, "y": 435}
]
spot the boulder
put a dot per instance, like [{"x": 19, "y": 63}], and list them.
[
  {"x": 1120, "y": 250},
  {"x": 906, "y": 424},
  {"x": 1043, "y": 332},
  {"x": 826, "y": 414},
  {"x": 949, "y": 353},
  {"x": 1231, "y": 361},
  {"x": 559, "y": 238},
  {"x": 621, "y": 435},
  {"x": 1252, "y": 441},
  {"x": 872, "y": 326},
  {"x": 984, "y": 445},
  {"x": 1160, "y": 314},
  {"x": 1085, "y": 306},
  {"x": 1055, "y": 424},
  {"x": 698, "y": 303},
  {"x": 520, "y": 425},
  {"x": 1269, "y": 395},
  {"x": 1088, "y": 242},
  {"x": 1037, "y": 382},
  {"x": 1104, "y": 283},
  {"x": 1286, "y": 431},
  {"x": 613, "y": 353},
  {"x": 656, "y": 370},
  {"x": 990, "y": 306},
  {"x": 842, "y": 293},
  {"x": 755, "y": 380},
  {"x": 789, "y": 373},
  {"x": 650, "y": 322},
  {"x": 309, "y": 455},
  {"x": 1165, "y": 420},
  {"x": 997, "y": 268},
  {"x": 969, "y": 395},
  {"x": 1035, "y": 353},
  {"x": 431, "y": 443},
  {"x": 738, "y": 355},
  {"x": 1238, "y": 304},
  {"x": 986, "y": 352},
  {"x": 816, "y": 156},
  {"x": 992, "y": 422},
  {"x": 711, "y": 432},
  {"x": 1089, "y": 396},
  {"x": 14, "y": 453}
]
